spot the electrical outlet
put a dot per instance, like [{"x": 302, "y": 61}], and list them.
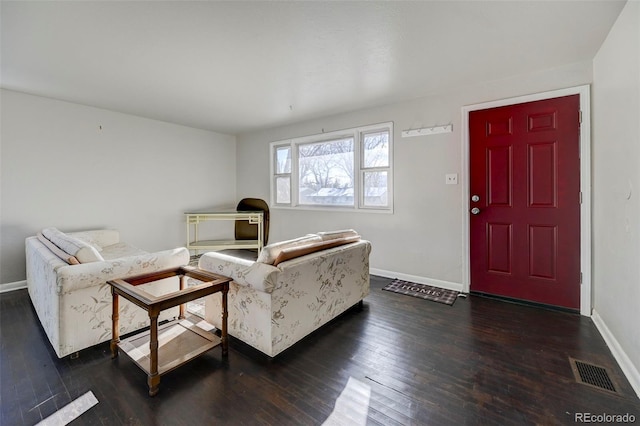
[{"x": 451, "y": 179}]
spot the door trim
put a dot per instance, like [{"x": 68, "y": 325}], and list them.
[{"x": 585, "y": 183}]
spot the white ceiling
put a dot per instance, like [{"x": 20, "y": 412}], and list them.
[{"x": 240, "y": 66}]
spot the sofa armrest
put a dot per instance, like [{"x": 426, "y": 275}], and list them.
[
  {"x": 74, "y": 277},
  {"x": 257, "y": 275}
]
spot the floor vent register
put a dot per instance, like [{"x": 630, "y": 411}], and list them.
[{"x": 592, "y": 375}]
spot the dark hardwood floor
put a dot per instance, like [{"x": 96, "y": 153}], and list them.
[{"x": 480, "y": 361}]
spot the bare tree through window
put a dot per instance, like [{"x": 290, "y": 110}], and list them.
[{"x": 326, "y": 172}]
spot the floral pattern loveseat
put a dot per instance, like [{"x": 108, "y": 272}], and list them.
[
  {"x": 292, "y": 289},
  {"x": 66, "y": 280}
]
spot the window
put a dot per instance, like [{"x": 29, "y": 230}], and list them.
[{"x": 349, "y": 169}]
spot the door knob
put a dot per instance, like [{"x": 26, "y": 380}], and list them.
[{"x": 475, "y": 210}]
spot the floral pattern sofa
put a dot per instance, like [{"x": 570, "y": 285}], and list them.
[
  {"x": 292, "y": 289},
  {"x": 66, "y": 280}
]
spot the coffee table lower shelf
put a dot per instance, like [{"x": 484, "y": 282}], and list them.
[{"x": 179, "y": 341}]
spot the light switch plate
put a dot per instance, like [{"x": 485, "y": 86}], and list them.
[{"x": 451, "y": 179}]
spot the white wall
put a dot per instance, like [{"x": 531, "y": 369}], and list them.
[
  {"x": 76, "y": 167},
  {"x": 616, "y": 190},
  {"x": 423, "y": 239}
]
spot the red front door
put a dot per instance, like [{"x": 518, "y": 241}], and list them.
[{"x": 525, "y": 173}]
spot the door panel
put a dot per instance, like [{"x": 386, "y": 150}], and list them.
[
  {"x": 499, "y": 175},
  {"x": 542, "y": 175},
  {"x": 525, "y": 168},
  {"x": 543, "y": 240},
  {"x": 499, "y": 247}
]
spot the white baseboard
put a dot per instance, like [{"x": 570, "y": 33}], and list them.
[
  {"x": 629, "y": 370},
  {"x": 417, "y": 279},
  {"x": 13, "y": 286}
]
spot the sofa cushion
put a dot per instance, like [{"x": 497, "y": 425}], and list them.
[
  {"x": 83, "y": 251},
  {"x": 88, "y": 238},
  {"x": 69, "y": 258},
  {"x": 121, "y": 249},
  {"x": 88, "y": 254},
  {"x": 333, "y": 235},
  {"x": 302, "y": 250},
  {"x": 270, "y": 252},
  {"x": 98, "y": 238}
]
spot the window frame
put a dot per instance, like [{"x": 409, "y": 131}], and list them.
[{"x": 358, "y": 135}]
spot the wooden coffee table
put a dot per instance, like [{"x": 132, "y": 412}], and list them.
[{"x": 179, "y": 341}]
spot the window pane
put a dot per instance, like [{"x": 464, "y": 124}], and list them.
[
  {"x": 283, "y": 190},
  {"x": 283, "y": 160},
  {"x": 376, "y": 189},
  {"x": 376, "y": 149},
  {"x": 326, "y": 173}
]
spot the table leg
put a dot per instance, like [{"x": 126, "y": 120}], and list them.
[
  {"x": 181, "y": 315},
  {"x": 115, "y": 324},
  {"x": 223, "y": 333},
  {"x": 260, "y": 234},
  {"x": 153, "y": 379}
]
